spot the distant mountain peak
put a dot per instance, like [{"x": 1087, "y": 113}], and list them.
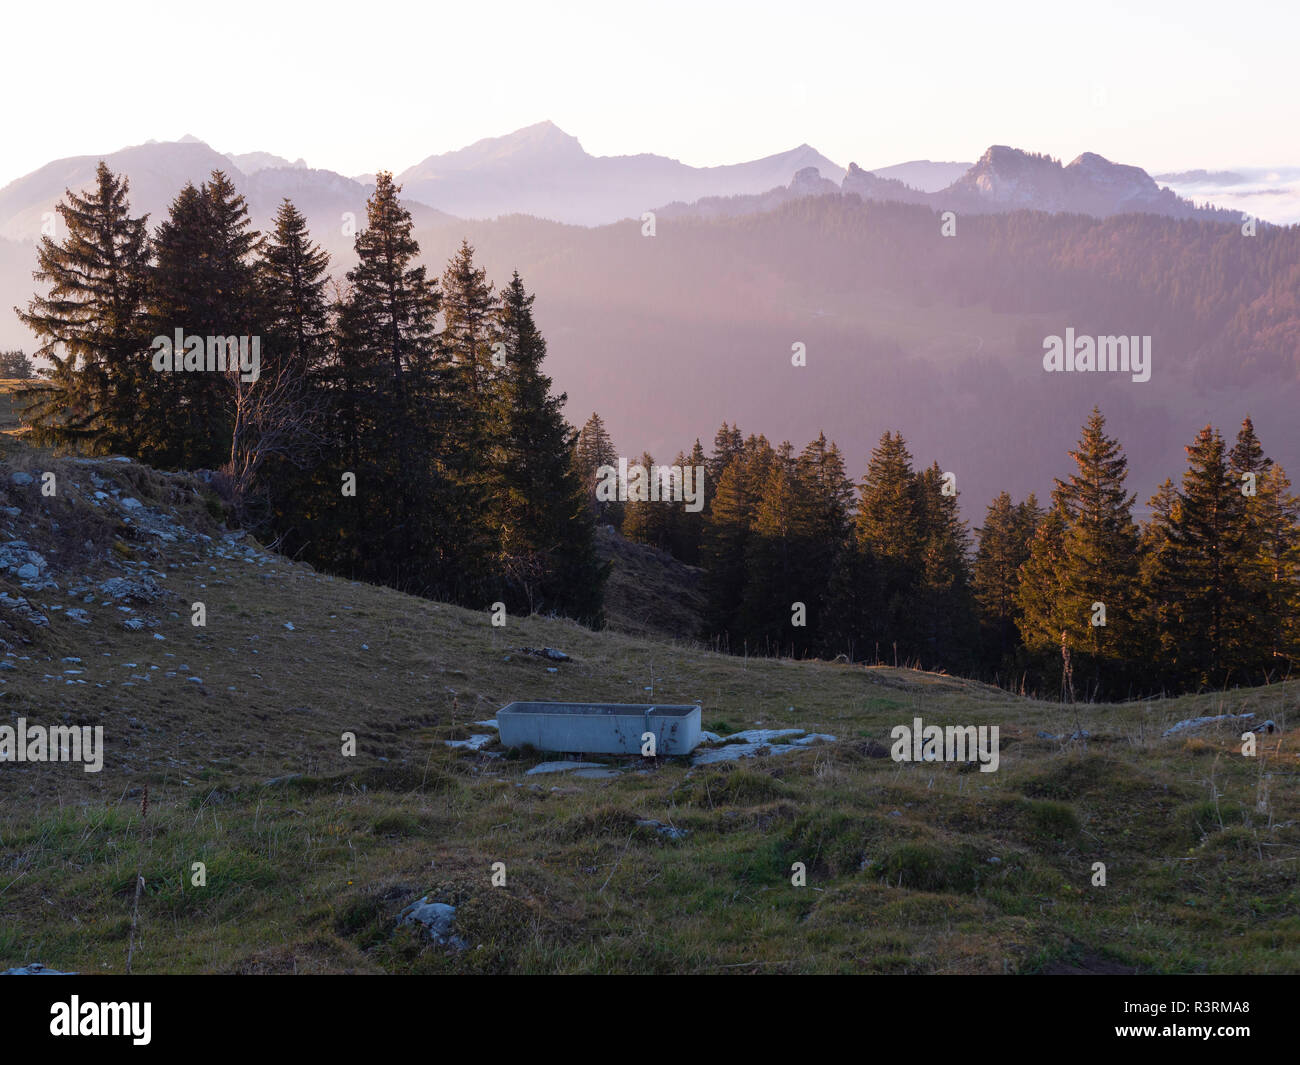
[
  {"x": 924, "y": 175},
  {"x": 809, "y": 182},
  {"x": 1099, "y": 168},
  {"x": 189, "y": 138},
  {"x": 545, "y": 135},
  {"x": 1008, "y": 177},
  {"x": 1003, "y": 155},
  {"x": 540, "y": 145},
  {"x": 252, "y": 162},
  {"x": 540, "y": 138}
]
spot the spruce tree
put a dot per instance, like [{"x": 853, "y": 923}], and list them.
[
  {"x": 824, "y": 522},
  {"x": 821, "y": 470},
  {"x": 1205, "y": 575},
  {"x": 298, "y": 348},
  {"x": 726, "y": 536},
  {"x": 471, "y": 331},
  {"x": 1045, "y": 610},
  {"x": 407, "y": 524},
  {"x": 944, "y": 610},
  {"x": 92, "y": 323},
  {"x": 1279, "y": 521},
  {"x": 774, "y": 578},
  {"x": 646, "y": 520},
  {"x": 1004, "y": 544},
  {"x": 888, "y": 531},
  {"x": 473, "y": 408},
  {"x": 595, "y": 449},
  {"x": 204, "y": 283},
  {"x": 1249, "y": 470},
  {"x": 887, "y": 516},
  {"x": 799, "y": 525},
  {"x": 686, "y": 527},
  {"x": 728, "y": 444},
  {"x": 292, "y": 275},
  {"x": 547, "y": 543},
  {"x": 1099, "y": 561},
  {"x": 1159, "y": 645}
]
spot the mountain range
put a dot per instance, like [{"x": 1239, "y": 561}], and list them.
[
  {"x": 542, "y": 171},
  {"x": 669, "y": 336}
]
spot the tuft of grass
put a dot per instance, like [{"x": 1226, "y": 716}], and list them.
[{"x": 931, "y": 867}]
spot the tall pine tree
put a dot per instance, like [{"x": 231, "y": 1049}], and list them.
[
  {"x": 548, "y": 552},
  {"x": 92, "y": 323}
]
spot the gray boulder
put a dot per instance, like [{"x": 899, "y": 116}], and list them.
[
  {"x": 35, "y": 969},
  {"x": 438, "y": 919},
  {"x": 142, "y": 589}
]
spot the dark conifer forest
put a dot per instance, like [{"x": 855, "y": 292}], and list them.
[{"x": 402, "y": 430}]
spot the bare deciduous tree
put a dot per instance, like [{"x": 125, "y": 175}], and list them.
[{"x": 272, "y": 417}]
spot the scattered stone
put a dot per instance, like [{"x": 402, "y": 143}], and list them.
[
  {"x": 563, "y": 767},
  {"x": 753, "y": 742},
  {"x": 762, "y": 735},
  {"x": 1082, "y": 734},
  {"x": 438, "y": 918},
  {"x": 20, "y": 606},
  {"x": 289, "y": 625},
  {"x": 142, "y": 590},
  {"x": 21, "y": 479},
  {"x": 1196, "y": 722},
  {"x": 735, "y": 751},
  {"x": 471, "y": 744},
  {"x": 670, "y": 831},
  {"x": 35, "y": 969},
  {"x": 18, "y": 558},
  {"x": 545, "y": 652}
]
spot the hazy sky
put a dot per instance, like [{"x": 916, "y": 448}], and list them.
[{"x": 362, "y": 86}]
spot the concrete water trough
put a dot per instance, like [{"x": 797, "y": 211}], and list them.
[{"x": 599, "y": 728}]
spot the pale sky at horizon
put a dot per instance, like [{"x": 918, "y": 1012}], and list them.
[{"x": 1161, "y": 86}]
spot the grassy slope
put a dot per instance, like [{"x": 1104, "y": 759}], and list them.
[
  {"x": 649, "y": 592},
  {"x": 308, "y": 874},
  {"x": 8, "y": 414}
]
